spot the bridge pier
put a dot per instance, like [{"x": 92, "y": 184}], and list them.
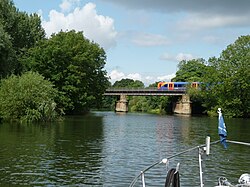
[
  {"x": 183, "y": 106},
  {"x": 122, "y": 104}
]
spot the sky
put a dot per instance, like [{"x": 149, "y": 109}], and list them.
[{"x": 146, "y": 39}]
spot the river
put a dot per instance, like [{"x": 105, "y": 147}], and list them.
[{"x": 110, "y": 149}]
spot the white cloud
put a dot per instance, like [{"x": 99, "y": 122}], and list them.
[
  {"x": 95, "y": 27},
  {"x": 134, "y": 76},
  {"x": 146, "y": 39},
  {"x": 116, "y": 75},
  {"x": 68, "y": 5},
  {"x": 179, "y": 57},
  {"x": 65, "y": 6},
  {"x": 182, "y": 56}
]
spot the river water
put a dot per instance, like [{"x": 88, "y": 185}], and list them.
[{"x": 110, "y": 149}]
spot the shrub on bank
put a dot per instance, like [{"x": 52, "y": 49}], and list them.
[{"x": 28, "y": 97}]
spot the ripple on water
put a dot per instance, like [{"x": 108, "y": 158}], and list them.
[{"x": 110, "y": 150}]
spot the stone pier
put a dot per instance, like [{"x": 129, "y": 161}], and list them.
[
  {"x": 122, "y": 104},
  {"x": 183, "y": 106}
]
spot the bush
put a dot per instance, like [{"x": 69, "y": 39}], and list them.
[{"x": 28, "y": 97}]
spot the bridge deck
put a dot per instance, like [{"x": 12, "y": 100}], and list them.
[{"x": 143, "y": 91}]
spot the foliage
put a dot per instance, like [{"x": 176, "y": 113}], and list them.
[
  {"x": 190, "y": 71},
  {"x": 128, "y": 83},
  {"x": 158, "y": 104},
  {"x": 229, "y": 85},
  {"x": 25, "y": 30},
  {"x": 225, "y": 83},
  {"x": 74, "y": 65},
  {"x": 138, "y": 103},
  {"x": 108, "y": 103},
  {"x": 150, "y": 104},
  {"x": 18, "y": 32},
  {"x": 27, "y": 98},
  {"x": 7, "y": 54}
]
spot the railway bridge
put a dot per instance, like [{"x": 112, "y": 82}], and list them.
[{"x": 181, "y": 107}]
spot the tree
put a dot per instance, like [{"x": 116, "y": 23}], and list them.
[
  {"x": 25, "y": 30},
  {"x": 135, "y": 102},
  {"x": 27, "y": 98},
  {"x": 7, "y": 14},
  {"x": 74, "y": 65},
  {"x": 159, "y": 104},
  {"x": 128, "y": 83},
  {"x": 20, "y": 32},
  {"x": 230, "y": 79},
  {"x": 190, "y": 71},
  {"x": 7, "y": 54}
]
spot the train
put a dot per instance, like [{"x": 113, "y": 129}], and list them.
[{"x": 177, "y": 85}]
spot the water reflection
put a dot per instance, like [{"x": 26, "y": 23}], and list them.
[
  {"x": 109, "y": 149},
  {"x": 63, "y": 153}
]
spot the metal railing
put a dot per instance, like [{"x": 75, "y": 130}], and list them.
[
  {"x": 204, "y": 148},
  {"x": 144, "y": 91}
]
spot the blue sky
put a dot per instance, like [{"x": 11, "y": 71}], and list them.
[{"x": 146, "y": 39}]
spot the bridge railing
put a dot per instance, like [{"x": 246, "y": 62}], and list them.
[
  {"x": 131, "y": 89},
  {"x": 143, "y": 91}
]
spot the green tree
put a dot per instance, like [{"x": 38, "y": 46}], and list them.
[
  {"x": 135, "y": 103},
  {"x": 159, "y": 104},
  {"x": 27, "y": 98},
  {"x": 20, "y": 32},
  {"x": 25, "y": 30},
  {"x": 229, "y": 84},
  {"x": 7, "y": 54},
  {"x": 74, "y": 65},
  {"x": 128, "y": 83},
  {"x": 7, "y": 14},
  {"x": 190, "y": 71}
]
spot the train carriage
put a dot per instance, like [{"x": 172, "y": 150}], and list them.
[{"x": 176, "y": 85}]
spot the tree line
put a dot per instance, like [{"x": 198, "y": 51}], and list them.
[
  {"x": 225, "y": 84},
  {"x": 44, "y": 78}
]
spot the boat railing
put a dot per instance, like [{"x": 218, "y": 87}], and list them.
[{"x": 204, "y": 148}]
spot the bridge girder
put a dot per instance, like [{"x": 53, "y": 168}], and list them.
[{"x": 143, "y": 92}]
